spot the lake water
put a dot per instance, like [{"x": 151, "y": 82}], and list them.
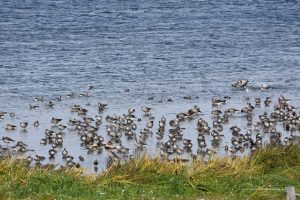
[{"x": 159, "y": 49}]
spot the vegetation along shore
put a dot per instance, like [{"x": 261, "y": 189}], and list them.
[{"x": 261, "y": 175}]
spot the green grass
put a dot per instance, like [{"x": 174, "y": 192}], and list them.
[{"x": 263, "y": 175}]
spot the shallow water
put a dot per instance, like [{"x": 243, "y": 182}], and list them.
[{"x": 159, "y": 49}]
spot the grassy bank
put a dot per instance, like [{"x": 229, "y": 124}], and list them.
[{"x": 263, "y": 175}]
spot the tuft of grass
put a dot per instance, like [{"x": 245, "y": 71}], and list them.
[
  {"x": 277, "y": 158},
  {"x": 262, "y": 175}
]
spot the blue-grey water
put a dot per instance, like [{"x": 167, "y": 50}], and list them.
[{"x": 159, "y": 49}]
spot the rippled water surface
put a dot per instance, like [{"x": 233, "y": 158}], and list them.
[{"x": 159, "y": 49}]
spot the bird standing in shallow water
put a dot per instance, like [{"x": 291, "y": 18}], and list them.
[
  {"x": 96, "y": 162},
  {"x": 231, "y": 110},
  {"x": 7, "y": 140},
  {"x": 146, "y": 109},
  {"x": 10, "y": 127},
  {"x": 81, "y": 158},
  {"x": 36, "y": 124},
  {"x": 101, "y": 106},
  {"x": 52, "y": 153},
  {"x": 24, "y": 125},
  {"x": 150, "y": 124},
  {"x": 64, "y": 153},
  {"x": 12, "y": 114},
  {"x": 55, "y": 121}
]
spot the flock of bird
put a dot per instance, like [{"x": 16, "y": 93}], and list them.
[{"x": 173, "y": 143}]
